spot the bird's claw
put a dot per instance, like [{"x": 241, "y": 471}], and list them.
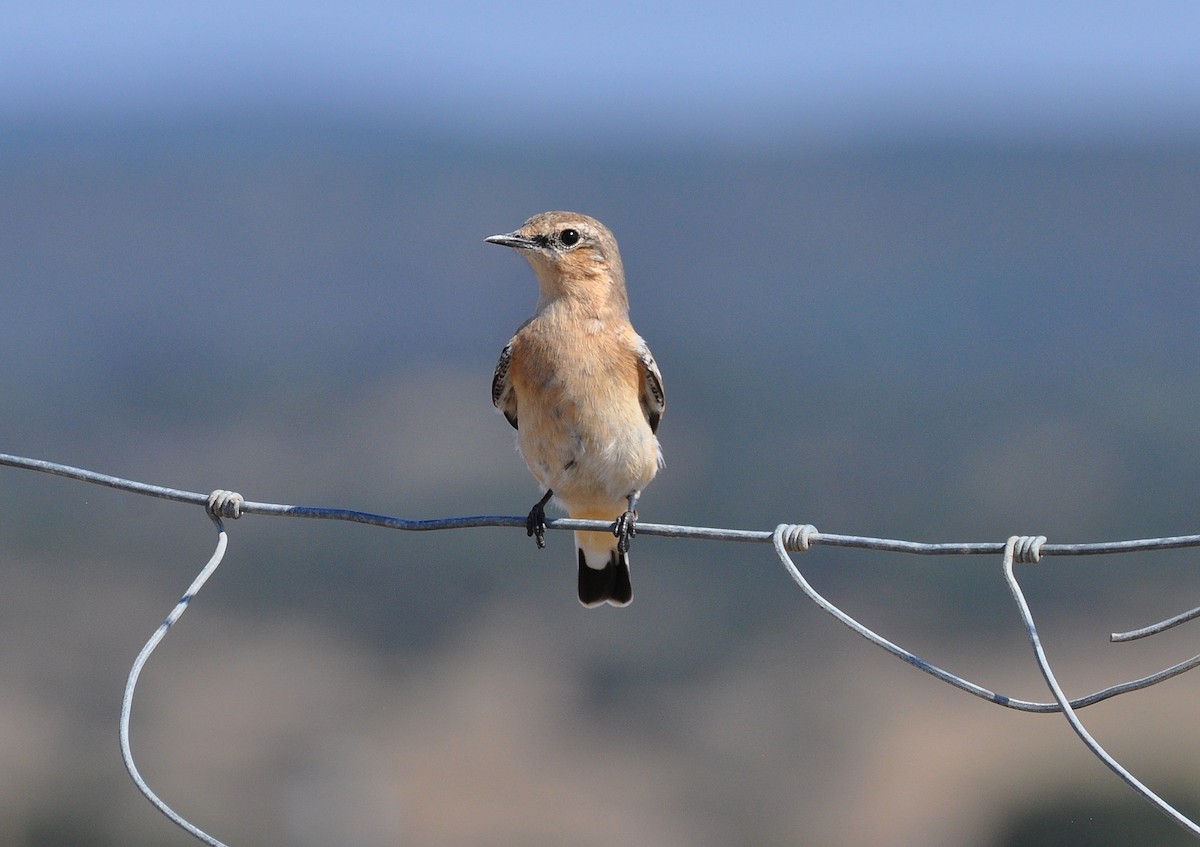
[
  {"x": 625, "y": 529},
  {"x": 535, "y": 525}
]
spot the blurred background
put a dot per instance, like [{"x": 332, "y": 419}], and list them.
[{"x": 923, "y": 270}]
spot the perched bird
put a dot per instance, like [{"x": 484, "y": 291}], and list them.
[{"x": 584, "y": 394}]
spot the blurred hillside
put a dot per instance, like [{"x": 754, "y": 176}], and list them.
[{"x": 938, "y": 341}]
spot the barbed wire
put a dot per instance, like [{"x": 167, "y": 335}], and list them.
[{"x": 785, "y": 538}]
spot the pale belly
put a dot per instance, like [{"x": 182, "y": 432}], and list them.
[{"x": 590, "y": 457}]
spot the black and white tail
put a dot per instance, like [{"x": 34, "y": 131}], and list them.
[{"x": 604, "y": 580}]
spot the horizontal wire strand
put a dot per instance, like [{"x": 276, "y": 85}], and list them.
[
  {"x": 785, "y": 537},
  {"x": 862, "y": 542}
]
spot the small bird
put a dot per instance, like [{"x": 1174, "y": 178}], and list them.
[{"x": 584, "y": 394}]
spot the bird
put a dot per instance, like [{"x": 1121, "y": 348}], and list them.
[{"x": 584, "y": 394}]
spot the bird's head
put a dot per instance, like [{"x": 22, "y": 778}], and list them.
[{"x": 572, "y": 254}]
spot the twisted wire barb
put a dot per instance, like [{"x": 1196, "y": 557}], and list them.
[{"x": 784, "y": 537}]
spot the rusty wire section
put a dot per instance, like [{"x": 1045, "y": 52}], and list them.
[{"x": 784, "y": 538}]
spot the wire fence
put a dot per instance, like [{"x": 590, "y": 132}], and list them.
[{"x": 786, "y": 539}]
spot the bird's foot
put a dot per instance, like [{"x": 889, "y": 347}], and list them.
[
  {"x": 625, "y": 529},
  {"x": 535, "y": 523}
]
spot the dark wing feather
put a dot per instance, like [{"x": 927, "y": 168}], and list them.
[
  {"x": 503, "y": 397},
  {"x": 653, "y": 400}
]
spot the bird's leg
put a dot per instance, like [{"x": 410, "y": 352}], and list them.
[
  {"x": 535, "y": 524},
  {"x": 626, "y": 528}
]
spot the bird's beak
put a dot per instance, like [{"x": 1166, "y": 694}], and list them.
[{"x": 511, "y": 240}]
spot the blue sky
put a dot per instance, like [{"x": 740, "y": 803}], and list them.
[{"x": 658, "y": 69}]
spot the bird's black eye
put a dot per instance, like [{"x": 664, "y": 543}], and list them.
[{"x": 569, "y": 237}]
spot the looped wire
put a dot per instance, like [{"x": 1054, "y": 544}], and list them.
[
  {"x": 1022, "y": 546},
  {"x": 135, "y": 672},
  {"x": 796, "y": 534},
  {"x": 224, "y": 504},
  {"x": 797, "y": 537},
  {"x": 1025, "y": 549},
  {"x": 778, "y": 539}
]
